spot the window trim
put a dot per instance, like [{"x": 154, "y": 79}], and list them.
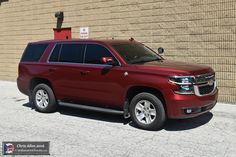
[{"x": 84, "y": 53}]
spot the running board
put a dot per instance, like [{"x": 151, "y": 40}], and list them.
[{"x": 91, "y": 108}]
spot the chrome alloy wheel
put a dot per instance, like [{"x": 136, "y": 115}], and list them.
[
  {"x": 145, "y": 112},
  {"x": 41, "y": 98}
]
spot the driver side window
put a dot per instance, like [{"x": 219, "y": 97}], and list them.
[{"x": 95, "y": 52}]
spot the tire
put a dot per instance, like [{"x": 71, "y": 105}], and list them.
[
  {"x": 147, "y": 111},
  {"x": 44, "y": 99}
]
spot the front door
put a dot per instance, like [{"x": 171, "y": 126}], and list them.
[{"x": 101, "y": 83}]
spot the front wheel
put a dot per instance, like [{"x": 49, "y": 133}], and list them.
[
  {"x": 147, "y": 111},
  {"x": 43, "y": 98}
]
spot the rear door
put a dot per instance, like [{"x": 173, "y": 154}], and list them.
[{"x": 64, "y": 69}]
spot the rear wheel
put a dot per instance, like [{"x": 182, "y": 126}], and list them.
[
  {"x": 43, "y": 98},
  {"x": 147, "y": 111}
]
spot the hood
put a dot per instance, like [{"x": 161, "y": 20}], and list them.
[{"x": 175, "y": 68}]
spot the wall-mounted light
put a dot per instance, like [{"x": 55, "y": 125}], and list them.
[
  {"x": 59, "y": 15},
  {"x": 3, "y": 1},
  {"x": 60, "y": 18}
]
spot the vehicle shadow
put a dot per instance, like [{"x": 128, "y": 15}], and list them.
[
  {"x": 170, "y": 125},
  {"x": 187, "y": 124},
  {"x": 87, "y": 114},
  {"x": 92, "y": 115}
]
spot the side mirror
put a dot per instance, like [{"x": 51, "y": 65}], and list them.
[
  {"x": 107, "y": 60},
  {"x": 160, "y": 50}
]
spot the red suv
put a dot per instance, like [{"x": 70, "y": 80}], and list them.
[{"x": 115, "y": 76}]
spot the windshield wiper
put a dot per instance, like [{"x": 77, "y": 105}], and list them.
[
  {"x": 141, "y": 60},
  {"x": 156, "y": 59}
]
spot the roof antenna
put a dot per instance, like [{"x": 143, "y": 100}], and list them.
[{"x": 131, "y": 39}]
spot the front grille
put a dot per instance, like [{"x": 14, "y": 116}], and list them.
[
  {"x": 206, "y": 89},
  {"x": 204, "y": 78},
  {"x": 204, "y": 84}
]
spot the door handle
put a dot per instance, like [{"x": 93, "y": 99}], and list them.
[
  {"x": 52, "y": 69},
  {"x": 84, "y": 72}
]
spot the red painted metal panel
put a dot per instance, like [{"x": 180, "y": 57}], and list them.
[{"x": 62, "y": 33}]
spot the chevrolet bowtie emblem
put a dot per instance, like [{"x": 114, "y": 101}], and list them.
[{"x": 210, "y": 83}]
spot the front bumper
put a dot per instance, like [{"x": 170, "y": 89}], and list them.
[{"x": 188, "y": 106}]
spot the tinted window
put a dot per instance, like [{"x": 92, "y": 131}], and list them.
[
  {"x": 136, "y": 53},
  {"x": 72, "y": 53},
  {"x": 94, "y": 53},
  {"x": 34, "y": 52},
  {"x": 55, "y": 53}
]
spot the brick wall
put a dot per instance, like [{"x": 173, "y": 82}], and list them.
[{"x": 199, "y": 31}]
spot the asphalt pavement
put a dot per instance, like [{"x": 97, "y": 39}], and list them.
[{"x": 79, "y": 133}]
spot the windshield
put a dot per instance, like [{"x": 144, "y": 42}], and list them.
[{"x": 136, "y": 53}]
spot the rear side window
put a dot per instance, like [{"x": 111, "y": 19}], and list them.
[
  {"x": 95, "y": 52},
  {"x": 71, "y": 53},
  {"x": 55, "y": 53},
  {"x": 34, "y": 52}
]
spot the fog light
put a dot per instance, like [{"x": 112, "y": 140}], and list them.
[{"x": 189, "y": 110}]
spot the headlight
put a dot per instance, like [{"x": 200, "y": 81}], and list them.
[{"x": 184, "y": 84}]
